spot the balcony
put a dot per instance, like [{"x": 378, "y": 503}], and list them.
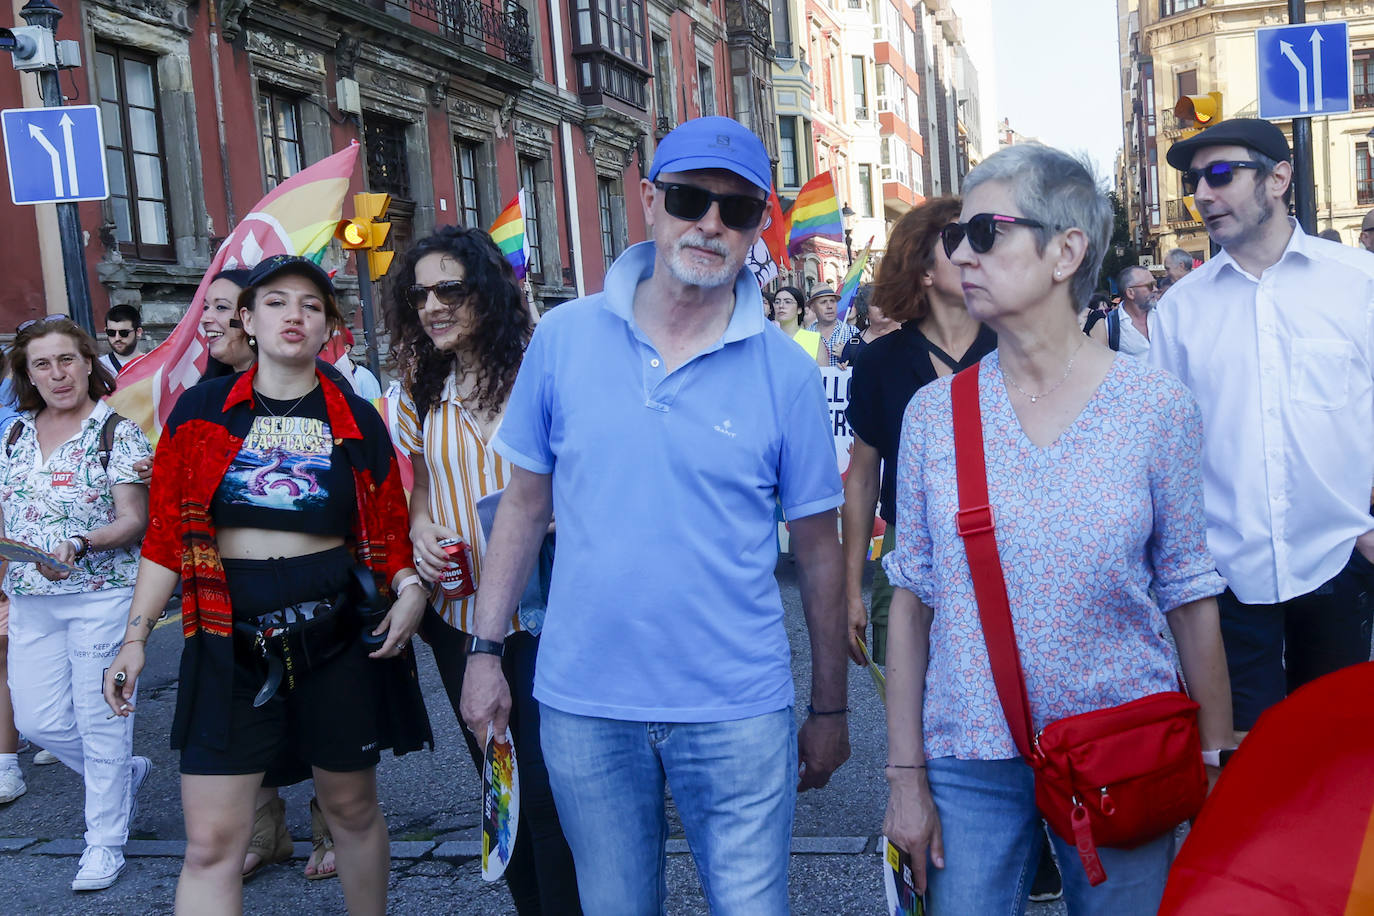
[
  {"x": 499, "y": 28},
  {"x": 861, "y": 113},
  {"x": 1177, "y": 213},
  {"x": 1364, "y": 191},
  {"x": 1364, "y": 100}
]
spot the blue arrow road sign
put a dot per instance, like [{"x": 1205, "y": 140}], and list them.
[
  {"x": 55, "y": 155},
  {"x": 1304, "y": 70}
]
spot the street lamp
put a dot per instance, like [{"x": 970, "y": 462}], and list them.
[{"x": 847, "y": 215}]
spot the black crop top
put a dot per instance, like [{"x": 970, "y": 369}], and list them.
[{"x": 289, "y": 474}]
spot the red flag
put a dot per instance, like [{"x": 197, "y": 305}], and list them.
[
  {"x": 776, "y": 232},
  {"x": 1289, "y": 827}
]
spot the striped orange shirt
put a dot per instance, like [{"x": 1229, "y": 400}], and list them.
[{"x": 462, "y": 469}]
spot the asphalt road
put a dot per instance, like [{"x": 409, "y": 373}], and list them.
[{"x": 431, "y": 805}]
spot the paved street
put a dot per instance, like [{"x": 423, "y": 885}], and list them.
[{"x": 432, "y": 811}]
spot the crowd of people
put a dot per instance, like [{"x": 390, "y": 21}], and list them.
[{"x": 676, "y": 414}]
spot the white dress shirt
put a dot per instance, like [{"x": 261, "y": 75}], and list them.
[
  {"x": 1132, "y": 343},
  {"x": 1283, "y": 368}
]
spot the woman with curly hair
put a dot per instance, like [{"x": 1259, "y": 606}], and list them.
[{"x": 459, "y": 326}]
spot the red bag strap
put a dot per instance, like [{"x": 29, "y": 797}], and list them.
[{"x": 974, "y": 521}]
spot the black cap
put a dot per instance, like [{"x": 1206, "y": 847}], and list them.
[
  {"x": 280, "y": 264},
  {"x": 1251, "y": 133}
]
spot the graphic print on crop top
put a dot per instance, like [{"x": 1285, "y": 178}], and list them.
[
  {"x": 280, "y": 466},
  {"x": 288, "y": 475}
]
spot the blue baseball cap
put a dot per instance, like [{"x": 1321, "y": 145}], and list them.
[{"x": 714, "y": 143}]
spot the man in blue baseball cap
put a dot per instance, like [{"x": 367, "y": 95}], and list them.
[{"x": 660, "y": 421}]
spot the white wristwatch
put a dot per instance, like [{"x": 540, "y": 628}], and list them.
[{"x": 1217, "y": 757}]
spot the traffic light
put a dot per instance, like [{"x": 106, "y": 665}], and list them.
[
  {"x": 364, "y": 232},
  {"x": 1199, "y": 110}
]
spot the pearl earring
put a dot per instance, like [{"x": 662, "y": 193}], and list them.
[
  {"x": 1057, "y": 275},
  {"x": 253, "y": 341}
]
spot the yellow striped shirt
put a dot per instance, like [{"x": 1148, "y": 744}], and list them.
[{"x": 462, "y": 469}]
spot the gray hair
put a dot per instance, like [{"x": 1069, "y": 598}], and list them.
[
  {"x": 1060, "y": 191},
  {"x": 1177, "y": 257},
  {"x": 1123, "y": 277}
]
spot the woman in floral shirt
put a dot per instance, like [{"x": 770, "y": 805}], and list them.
[
  {"x": 60, "y": 494},
  {"x": 1097, "y": 567}
]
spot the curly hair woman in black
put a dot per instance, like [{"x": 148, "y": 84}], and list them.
[{"x": 459, "y": 325}]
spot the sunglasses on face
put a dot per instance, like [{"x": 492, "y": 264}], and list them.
[
  {"x": 448, "y": 292},
  {"x": 118, "y": 332},
  {"x": 688, "y": 202},
  {"x": 981, "y": 231},
  {"x": 1218, "y": 174}
]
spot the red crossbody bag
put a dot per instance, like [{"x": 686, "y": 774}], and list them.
[{"x": 1115, "y": 777}]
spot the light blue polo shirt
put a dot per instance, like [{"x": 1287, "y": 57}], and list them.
[{"x": 663, "y": 606}]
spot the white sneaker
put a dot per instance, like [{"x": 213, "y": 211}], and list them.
[
  {"x": 142, "y": 766},
  {"x": 100, "y": 867},
  {"x": 11, "y": 785},
  {"x": 43, "y": 758}
]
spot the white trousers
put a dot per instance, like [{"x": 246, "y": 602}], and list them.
[{"x": 60, "y": 646}]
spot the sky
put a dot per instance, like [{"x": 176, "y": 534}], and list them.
[{"x": 1056, "y": 72}]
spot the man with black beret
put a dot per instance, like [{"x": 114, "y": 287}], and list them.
[{"x": 1275, "y": 337}]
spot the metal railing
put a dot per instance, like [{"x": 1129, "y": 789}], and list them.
[
  {"x": 497, "y": 25},
  {"x": 1176, "y": 211}
]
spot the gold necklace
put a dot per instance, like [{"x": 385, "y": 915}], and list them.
[{"x": 1053, "y": 388}]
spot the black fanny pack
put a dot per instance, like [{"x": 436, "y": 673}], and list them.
[{"x": 290, "y": 651}]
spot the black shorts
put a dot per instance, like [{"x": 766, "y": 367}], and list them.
[{"x": 329, "y": 721}]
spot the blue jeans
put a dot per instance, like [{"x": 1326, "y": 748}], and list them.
[
  {"x": 993, "y": 837},
  {"x": 735, "y": 787}
]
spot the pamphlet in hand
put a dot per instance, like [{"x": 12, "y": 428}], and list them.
[
  {"x": 900, "y": 883},
  {"x": 879, "y": 681},
  {"x": 19, "y": 552},
  {"x": 500, "y": 804}
]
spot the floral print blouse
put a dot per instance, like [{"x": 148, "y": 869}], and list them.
[
  {"x": 1100, "y": 534},
  {"x": 46, "y": 502}
]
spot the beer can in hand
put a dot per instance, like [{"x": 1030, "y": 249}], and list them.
[{"x": 456, "y": 577}]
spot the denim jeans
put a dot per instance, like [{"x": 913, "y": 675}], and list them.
[
  {"x": 993, "y": 835},
  {"x": 540, "y": 874},
  {"x": 1273, "y": 649},
  {"x": 735, "y": 787}
]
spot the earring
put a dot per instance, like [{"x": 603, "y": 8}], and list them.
[
  {"x": 1057, "y": 275},
  {"x": 253, "y": 341}
]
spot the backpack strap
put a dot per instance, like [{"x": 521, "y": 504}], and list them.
[
  {"x": 1114, "y": 329},
  {"x": 107, "y": 437},
  {"x": 16, "y": 430}
]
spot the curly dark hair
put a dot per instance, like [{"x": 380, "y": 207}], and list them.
[
  {"x": 898, "y": 290},
  {"x": 502, "y": 331},
  {"x": 100, "y": 383}
]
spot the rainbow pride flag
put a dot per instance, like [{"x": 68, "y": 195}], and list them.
[
  {"x": 508, "y": 232},
  {"x": 298, "y": 217},
  {"x": 816, "y": 213},
  {"x": 850, "y": 288}
]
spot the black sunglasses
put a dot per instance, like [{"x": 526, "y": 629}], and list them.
[
  {"x": 1218, "y": 174},
  {"x": 118, "y": 332},
  {"x": 687, "y": 201},
  {"x": 448, "y": 292},
  {"x": 981, "y": 231}
]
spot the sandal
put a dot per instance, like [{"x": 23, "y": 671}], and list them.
[
  {"x": 321, "y": 842},
  {"x": 270, "y": 841}
]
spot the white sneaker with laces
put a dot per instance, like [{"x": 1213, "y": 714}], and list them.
[
  {"x": 100, "y": 867},
  {"x": 43, "y": 758},
  {"x": 142, "y": 766},
  {"x": 11, "y": 785}
]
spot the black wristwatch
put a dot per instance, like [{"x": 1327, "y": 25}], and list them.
[{"x": 477, "y": 644}]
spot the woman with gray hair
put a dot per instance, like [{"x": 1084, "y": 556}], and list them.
[{"x": 1094, "y": 567}]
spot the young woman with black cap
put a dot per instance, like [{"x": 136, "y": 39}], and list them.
[{"x": 270, "y": 488}]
